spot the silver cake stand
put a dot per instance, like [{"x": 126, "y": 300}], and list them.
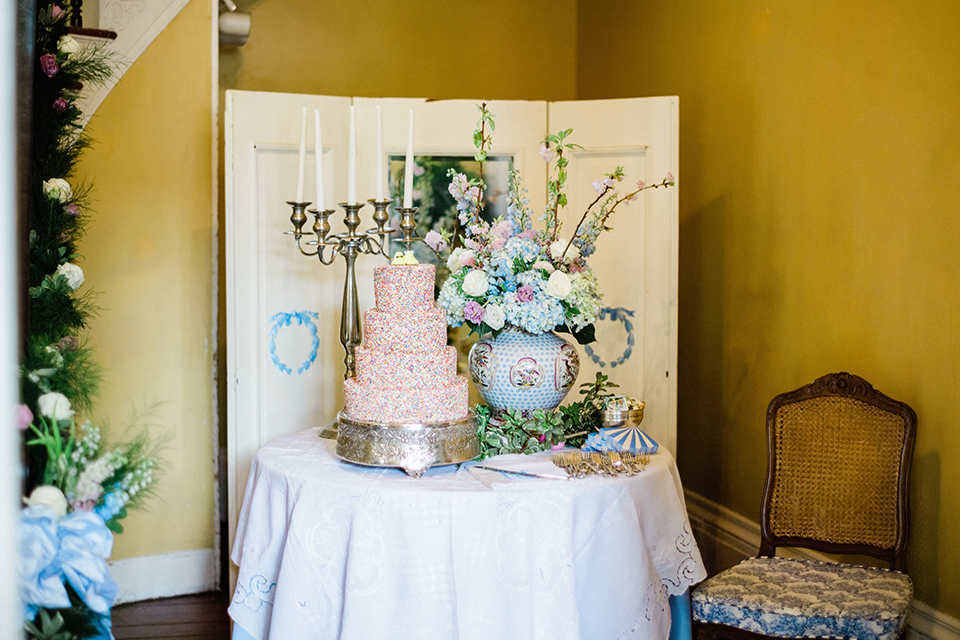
[{"x": 411, "y": 447}]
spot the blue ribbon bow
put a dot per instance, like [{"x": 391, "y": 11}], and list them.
[{"x": 74, "y": 551}]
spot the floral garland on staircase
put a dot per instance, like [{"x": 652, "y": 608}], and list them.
[{"x": 79, "y": 488}]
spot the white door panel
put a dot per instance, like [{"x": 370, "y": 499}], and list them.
[{"x": 636, "y": 263}]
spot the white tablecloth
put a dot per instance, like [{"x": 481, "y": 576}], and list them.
[{"x": 327, "y": 549}]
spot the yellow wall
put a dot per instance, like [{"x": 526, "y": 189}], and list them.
[
  {"x": 820, "y": 151},
  {"x": 149, "y": 254}
]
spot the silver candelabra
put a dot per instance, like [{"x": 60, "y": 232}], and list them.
[{"x": 350, "y": 245}]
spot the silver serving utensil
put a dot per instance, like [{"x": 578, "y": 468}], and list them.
[{"x": 523, "y": 473}]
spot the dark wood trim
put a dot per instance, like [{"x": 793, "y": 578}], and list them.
[{"x": 103, "y": 34}]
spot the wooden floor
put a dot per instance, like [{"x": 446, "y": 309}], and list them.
[{"x": 197, "y": 617}]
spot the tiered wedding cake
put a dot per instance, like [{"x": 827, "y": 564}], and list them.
[{"x": 405, "y": 372}]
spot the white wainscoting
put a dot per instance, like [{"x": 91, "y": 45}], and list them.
[
  {"x": 164, "y": 575},
  {"x": 726, "y": 537}
]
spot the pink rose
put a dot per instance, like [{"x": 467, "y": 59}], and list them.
[
  {"x": 525, "y": 293},
  {"x": 59, "y": 104},
  {"x": 48, "y": 62},
  {"x": 529, "y": 234},
  {"x": 24, "y": 417},
  {"x": 497, "y": 244}
]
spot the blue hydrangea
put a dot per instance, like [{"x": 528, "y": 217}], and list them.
[
  {"x": 526, "y": 250},
  {"x": 541, "y": 314}
]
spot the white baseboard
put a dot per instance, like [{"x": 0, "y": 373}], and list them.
[
  {"x": 164, "y": 575},
  {"x": 741, "y": 536}
]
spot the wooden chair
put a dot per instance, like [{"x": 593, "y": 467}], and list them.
[{"x": 839, "y": 457}]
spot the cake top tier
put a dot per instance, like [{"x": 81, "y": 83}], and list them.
[{"x": 404, "y": 288}]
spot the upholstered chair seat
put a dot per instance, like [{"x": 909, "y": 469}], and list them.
[{"x": 789, "y": 598}]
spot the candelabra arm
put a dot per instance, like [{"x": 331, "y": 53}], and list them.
[{"x": 350, "y": 333}]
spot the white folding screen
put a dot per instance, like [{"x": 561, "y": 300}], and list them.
[{"x": 284, "y": 360}]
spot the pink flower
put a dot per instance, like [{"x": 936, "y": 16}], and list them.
[
  {"x": 59, "y": 104},
  {"x": 525, "y": 293},
  {"x": 669, "y": 177},
  {"x": 543, "y": 264},
  {"x": 497, "y": 244},
  {"x": 546, "y": 153},
  {"x": 558, "y": 446},
  {"x": 48, "y": 62},
  {"x": 469, "y": 261},
  {"x": 473, "y": 312},
  {"x": 435, "y": 241},
  {"x": 609, "y": 182},
  {"x": 598, "y": 186},
  {"x": 71, "y": 209},
  {"x": 529, "y": 234},
  {"x": 641, "y": 184},
  {"x": 503, "y": 230},
  {"x": 24, "y": 417},
  {"x": 67, "y": 344},
  {"x": 56, "y": 12}
]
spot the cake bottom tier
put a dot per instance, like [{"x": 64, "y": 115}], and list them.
[{"x": 407, "y": 405}]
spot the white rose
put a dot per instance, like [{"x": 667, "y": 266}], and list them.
[
  {"x": 457, "y": 257},
  {"x": 50, "y": 497},
  {"x": 55, "y": 406},
  {"x": 558, "y": 285},
  {"x": 556, "y": 250},
  {"x": 72, "y": 273},
  {"x": 57, "y": 189},
  {"x": 475, "y": 283},
  {"x": 68, "y": 45},
  {"x": 494, "y": 317}
]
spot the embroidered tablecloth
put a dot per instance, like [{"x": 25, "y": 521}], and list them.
[{"x": 328, "y": 549}]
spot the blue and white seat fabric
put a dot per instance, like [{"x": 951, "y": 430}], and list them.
[{"x": 806, "y": 599}]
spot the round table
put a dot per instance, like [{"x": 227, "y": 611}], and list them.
[{"x": 328, "y": 549}]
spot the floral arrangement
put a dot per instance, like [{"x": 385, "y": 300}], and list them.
[
  {"x": 505, "y": 273},
  {"x": 79, "y": 487}
]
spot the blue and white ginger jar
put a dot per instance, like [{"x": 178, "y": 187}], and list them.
[{"x": 520, "y": 370}]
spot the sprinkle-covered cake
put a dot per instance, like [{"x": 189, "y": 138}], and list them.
[{"x": 405, "y": 372}]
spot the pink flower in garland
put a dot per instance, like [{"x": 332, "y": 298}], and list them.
[
  {"x": 68, "y": 344},
  {"x": 71, "y": 209},
  {"x": 24, "y": 417},
  {"x": 48, "y": 62},
  {"x": 59, "y": 104},
  {"x": 473, "y": 312}
]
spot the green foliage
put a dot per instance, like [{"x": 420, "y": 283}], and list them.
[
  {"x": 529, "y": 432},
  {"x": 49, "y": 627}
]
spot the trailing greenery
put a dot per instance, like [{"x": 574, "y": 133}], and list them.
[{"x": 529, "y": 432}]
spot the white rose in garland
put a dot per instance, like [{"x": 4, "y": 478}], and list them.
[
  {"x": 558, "y": 285},
  {"x": 72, "y": 273},
  {"x": 475, "y": 283},
  {"x": 494, "y": 317},
  {"x": 57, "y": 189},
  {"x": 50, "y": 497},
  {"x": 55, "y": 406},
  {"x": 68, "y": 45}
]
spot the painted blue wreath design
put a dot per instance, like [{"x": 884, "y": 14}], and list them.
[
  {"x": 622, "y": 315},
  {"x": 282, "y": 319}
]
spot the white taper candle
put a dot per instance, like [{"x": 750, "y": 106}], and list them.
[
  {"x": 408, "y": 167},
  {"x": 303, "y": 154},
  {"x": 318, "y": 148},
  {"x": 352, "y": 159},
  {"x": 379, "y": 157}
]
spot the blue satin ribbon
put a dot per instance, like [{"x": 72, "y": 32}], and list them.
[{"x": 54, "y": 553}]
